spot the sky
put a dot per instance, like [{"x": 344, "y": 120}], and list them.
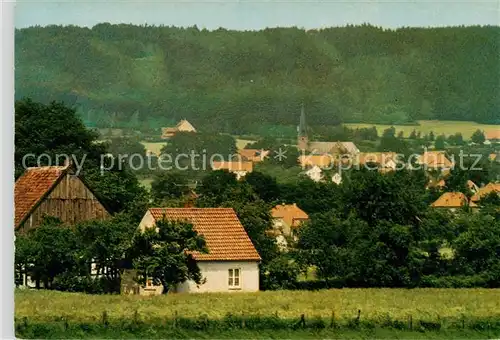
[{"x": 259, "y": 14}]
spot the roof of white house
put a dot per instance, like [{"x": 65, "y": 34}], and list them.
[{"x": 225, "y": 236}]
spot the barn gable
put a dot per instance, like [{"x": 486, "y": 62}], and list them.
[{"x": 54, "y": 191}]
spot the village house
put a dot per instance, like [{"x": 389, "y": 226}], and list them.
[
  {"x": 442, "y": 183},
  {"x": 453, "y": 201},
  {"x": 321, "y": 161},
  {"x": 54, "y": 191},
  {"x": 492, "y": 136},
  {"x": 337, "y": 178},
  {"x": 240, "y": 169},
  {"x": 232, "y": 262},
  {"x": 314, "y": 173},
  {"x": 435, "y": 160},
  {"x": 253, "y": 155},
  {"x": 385, "y": 161},
  {"x": 486, "y": 190},
  {"x": 337, "y": 149},
  {"x": 182, "y": 126},
  {"x": 286, "y": 219}
]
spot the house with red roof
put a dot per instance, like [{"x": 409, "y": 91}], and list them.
[
  {"x": 232, "y": 262},
  {"x": 54, "y": 191},
  {"x": 453, "y": 201},
  {"x": 287, "y": 218}
]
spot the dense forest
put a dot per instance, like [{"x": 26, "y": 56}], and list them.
[{"x": 244, "y": 81}]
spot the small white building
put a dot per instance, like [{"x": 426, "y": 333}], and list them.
[
  {"x": 232, "y": 262},
  {"x": 240, "y": 169},
  {"x": 314, "y": 173},
  {"x": 337, "y": 178}
]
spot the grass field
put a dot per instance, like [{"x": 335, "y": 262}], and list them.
[
  {"x": 154, "y": 147},
  {"x": 373, "y": 303},
  {"x": 241, "y": 143},
  {"x": 384, "y": 313},
  {"x": 437, "y": 126}
]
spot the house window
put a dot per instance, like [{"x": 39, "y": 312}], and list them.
[{"x": 234, "y": 278}]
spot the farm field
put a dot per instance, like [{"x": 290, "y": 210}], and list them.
[
  {"x": 446, "y": 127},
  {"x": 374, "y": 303},
  {"x": 384, "y": 313},
  {"x": 154, "y": 147},
  {"x": 241, "y": 143}
]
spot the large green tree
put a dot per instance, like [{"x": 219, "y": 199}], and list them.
[
  {"x": 44, "y": 131},
  {"x": 165, "y": 253}
]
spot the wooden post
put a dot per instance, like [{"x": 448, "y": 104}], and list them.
[
  {"x": 332, "y": 320},
  {"x": 175, "y": 319},
  {"x": 303, "y": 320},
  {"x": 358, "y": 317},
  {"x": 410, "y": 322},
  {"x": 104, "y": 319}
]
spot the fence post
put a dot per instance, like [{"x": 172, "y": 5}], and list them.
[
  {"x": 104, "y": 319},
  {"x": 303, "y": 320},
  {"x": 358, "y": 317},
  {"x": 175, "y": 319},
  {"x": 332, "y": 320},
  {"x": 410, "y": 322}
]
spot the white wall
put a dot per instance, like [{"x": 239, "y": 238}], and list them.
[{"x": 216, "y": 277}]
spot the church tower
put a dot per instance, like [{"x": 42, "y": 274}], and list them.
[{"x": 302, "y": 140}]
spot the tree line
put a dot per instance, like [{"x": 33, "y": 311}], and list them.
[
  {"x": 371, "y": 230},
  {"x": 240, "y": 82}
]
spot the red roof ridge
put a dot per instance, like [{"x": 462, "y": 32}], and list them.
[
  {"x": 32, "y": 187},
  {"x": 225, "y": 236}
]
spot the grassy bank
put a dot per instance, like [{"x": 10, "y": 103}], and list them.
[{"x": 84, "y": 331}]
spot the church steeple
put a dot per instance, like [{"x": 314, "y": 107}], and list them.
[{"x": 302, "y": 140}]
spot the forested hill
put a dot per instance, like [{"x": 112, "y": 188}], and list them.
[{"x": 233, "y": 80}]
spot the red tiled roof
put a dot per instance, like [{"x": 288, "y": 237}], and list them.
[
  {"x": 322, "y": 161},
  {"x": 233, "y": 166},
  {"x": 32, "y": 186},
  {"x": 435, "y": 159},
  {"x": 487, "y": 189},
  {"x": 224, "y": 234},
  {"x": 253, "y": 155},
  {"x": 381, "y": 158},
  {"x": 290, "y": 213},
  {"x": 452, "y": 200},
  {"x": 492, "y": 134}
]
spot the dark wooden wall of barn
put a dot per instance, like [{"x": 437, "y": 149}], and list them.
[{"x": 71, "y": 201}]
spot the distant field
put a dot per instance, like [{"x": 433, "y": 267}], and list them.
[
  {"x": 241, "y": 143},
  {"x": 154, "y": 147},
  {"x": 437, "y": 126}
]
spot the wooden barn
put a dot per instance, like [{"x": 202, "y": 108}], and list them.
[{"x": 54, "y": 191}]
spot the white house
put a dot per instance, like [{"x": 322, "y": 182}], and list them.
[
  {"x": 337, "y": 178},
  {"x": 232, "y": 262},
  {"x": 314, "y": 173},
  {"x": 240, "y": 169}
]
